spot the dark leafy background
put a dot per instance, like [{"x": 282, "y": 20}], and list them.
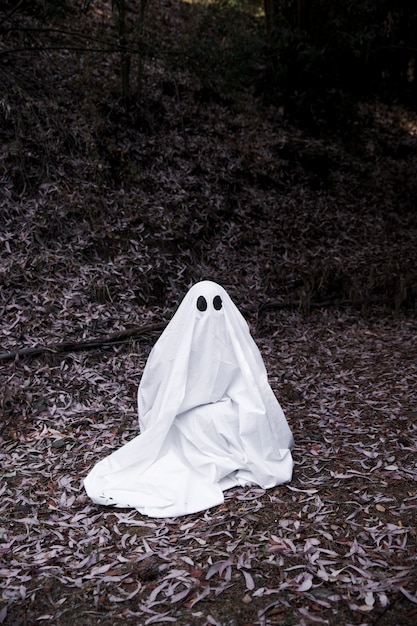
[{"x": 107, "y": 216}]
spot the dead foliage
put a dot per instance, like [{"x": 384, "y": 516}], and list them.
[{"x": 107, "y": 214}]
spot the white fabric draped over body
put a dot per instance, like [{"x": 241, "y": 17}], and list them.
[{"x": 208, "y": 417}]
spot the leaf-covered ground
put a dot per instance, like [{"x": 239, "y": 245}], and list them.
[{"x": 107, "y": 216}]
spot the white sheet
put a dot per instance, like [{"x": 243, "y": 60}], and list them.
[{"x": 208, "y": 418}]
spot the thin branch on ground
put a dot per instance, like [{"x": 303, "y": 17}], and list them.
[{"x": 76, "y": 346}]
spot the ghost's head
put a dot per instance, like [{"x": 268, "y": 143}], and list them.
[
  {"x": 205, "y": 354},
  {"x": 205, "y": 304},
  {"x": 204, "y": 321}
]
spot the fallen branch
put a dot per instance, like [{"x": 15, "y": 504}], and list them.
[
  {"x": 89, "y": 344},
  {"x": 123, "y": 336}
]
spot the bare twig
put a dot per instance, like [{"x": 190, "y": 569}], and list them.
[
  {"x": 124, "y": 335},
  {"x": 89, "y": 344}
]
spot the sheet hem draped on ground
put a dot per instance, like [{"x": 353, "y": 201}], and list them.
[{"x": 208, "y": 417}]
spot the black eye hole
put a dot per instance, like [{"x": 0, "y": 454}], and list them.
[
  {"x": 217, "y": 303},
  {"x": 201, "y": 303}
]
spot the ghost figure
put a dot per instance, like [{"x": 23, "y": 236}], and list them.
[{"x": 208, "y": 418}]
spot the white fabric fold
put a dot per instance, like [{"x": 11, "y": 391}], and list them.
[{"x": 208, "y": 417}]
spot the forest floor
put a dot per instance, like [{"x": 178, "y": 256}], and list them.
[{"x": 108, "y": 214}]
